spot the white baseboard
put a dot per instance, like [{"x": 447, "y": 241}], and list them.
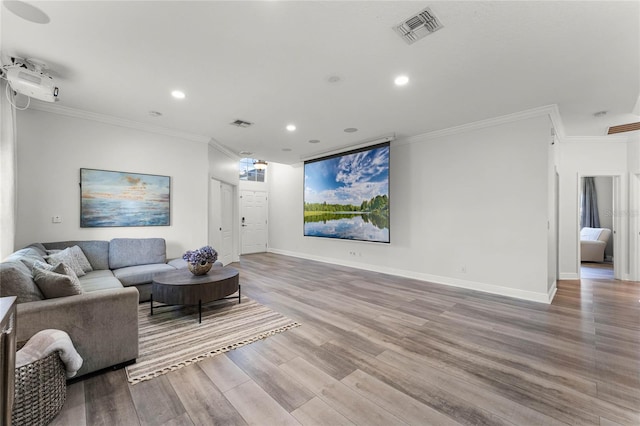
[
  {"x": 569, "y": 276},
  {"x": 552, "y": 292},
  {"x": 436, "y": 279}
]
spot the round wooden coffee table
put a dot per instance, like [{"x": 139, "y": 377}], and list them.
[{"x": 181, "y": 287}]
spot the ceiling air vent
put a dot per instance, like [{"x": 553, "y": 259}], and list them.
[
  {"x": 629, "y": 127},
  {"x": 241, "y": 123},
  {"x": 418, "y": 26}
]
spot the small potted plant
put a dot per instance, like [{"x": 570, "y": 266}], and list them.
[{"x": 201, "y": 260}]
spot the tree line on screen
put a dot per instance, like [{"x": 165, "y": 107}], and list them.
[{"x": 378, "y": 204}]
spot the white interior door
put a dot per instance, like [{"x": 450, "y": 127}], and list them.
[
  {"x": 221, "y": 220},
  {"x": 226, "y": 201},
  {"x": 215, "y": 215},
  {"x": 253, "y": 221}
]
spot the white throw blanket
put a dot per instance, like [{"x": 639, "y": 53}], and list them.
[{"x": 44, "y": 343}]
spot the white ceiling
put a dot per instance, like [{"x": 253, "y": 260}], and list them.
[{"x": 269, "y": 62}]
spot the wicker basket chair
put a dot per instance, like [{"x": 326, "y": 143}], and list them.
[{"x": 40, "y": 391}]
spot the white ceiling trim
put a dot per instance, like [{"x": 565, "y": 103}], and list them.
[
  {"x": 598, "y": 139},
  {"x": 226, "y": 151},
  {"x": 115, "y": 121},
  {"x": 549, "y": 110}
]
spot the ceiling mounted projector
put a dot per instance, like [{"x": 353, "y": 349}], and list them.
[{"x": 33, "y": 83}]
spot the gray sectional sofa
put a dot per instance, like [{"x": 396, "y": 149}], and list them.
[{"x": 102, "y": 321}]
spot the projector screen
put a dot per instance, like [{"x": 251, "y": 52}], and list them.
[{"x": 346, "y": 196}]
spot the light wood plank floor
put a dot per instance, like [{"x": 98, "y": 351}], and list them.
[
  {"x": 596, "y": 270},
  {"x": 374, "y": 349}
]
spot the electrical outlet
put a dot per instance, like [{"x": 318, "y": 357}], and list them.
[{"x": 56, "y": 219}]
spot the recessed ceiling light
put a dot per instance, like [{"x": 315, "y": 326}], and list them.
[
  {"x": 314, "y": 141},
  {"x": 291, "y": 127},
  {"x": 178, "y": 94},
  {"x": 333, "y": 79},
  {"x": 350, "y": 130},
  {"x": 401, "y": 80},
  {"x": 155, "y": 113},
  {"x": 286, "y": 149}
]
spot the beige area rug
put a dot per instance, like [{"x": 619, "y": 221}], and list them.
[{"x": 172, "y": 338}]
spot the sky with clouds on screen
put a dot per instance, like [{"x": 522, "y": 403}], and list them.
[{"x": 348, "y": 179}]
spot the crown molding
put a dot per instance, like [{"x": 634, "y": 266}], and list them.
[
  {"x": 594, "y": 139},
  {"x": 223, "y": 149},
  {"x": 115, "y": 121},
  {"x": 548, "y": 110}
]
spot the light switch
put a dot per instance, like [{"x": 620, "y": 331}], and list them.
[{"x": 56, "y": 219}]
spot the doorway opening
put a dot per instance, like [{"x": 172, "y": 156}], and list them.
[{"x": 597, "y": 221}]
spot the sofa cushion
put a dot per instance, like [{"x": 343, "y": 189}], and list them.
[
  {"x": 99, "y": 280},
  {"x": 97, "y": 252},
  {"x": 59, "y": 281},
  {"x": 17, "y": 281},
  {"x": 140, "y": 274},
  {"x": 125, "y": 252},
  {"x": 180, "y": 263}
]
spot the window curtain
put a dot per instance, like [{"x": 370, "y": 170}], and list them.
[
  {"x": 8, "y": 168},
  {"x": 589, "y": 217}
]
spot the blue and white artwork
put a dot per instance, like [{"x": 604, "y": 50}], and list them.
[
  {"x": 347, "y": 196},
  {"x": 123, "y": 199}
]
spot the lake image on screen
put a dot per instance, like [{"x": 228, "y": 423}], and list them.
[
  {"x": 348, "y": 196},
  {"x": 124, "y": 199}
]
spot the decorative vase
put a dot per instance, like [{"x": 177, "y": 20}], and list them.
[{"x": 200, "y": 268}]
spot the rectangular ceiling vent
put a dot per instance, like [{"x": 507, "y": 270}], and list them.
[
  {"x": 418, "y": 26},
  {"x": 241, "y": 123},
  {"x": 629, "y": 127}
]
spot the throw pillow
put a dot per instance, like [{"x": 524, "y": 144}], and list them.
[
  {"x": 65, "y": 256},
  {"x": 16, "y": 280},
  {"x": 29, "y": 256},
  {"x": 41, "y": 265},
  {"x": 60, "y": 281},
  {"x": 82, "y": 260}
]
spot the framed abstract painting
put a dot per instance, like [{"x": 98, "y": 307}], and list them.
[{"x": 109, "y": 198}]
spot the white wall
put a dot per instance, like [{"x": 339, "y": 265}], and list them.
[
  {"x": 552, "y": 211},
  {"x": 51, "y": 150},
  {"x": 634, "y": 204},
  {"x": 634, "y": 152},
  {"x": 223, "y": 166},
  {"x": 469, "y": 209},
  {"x": 584, "y": 157}
]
